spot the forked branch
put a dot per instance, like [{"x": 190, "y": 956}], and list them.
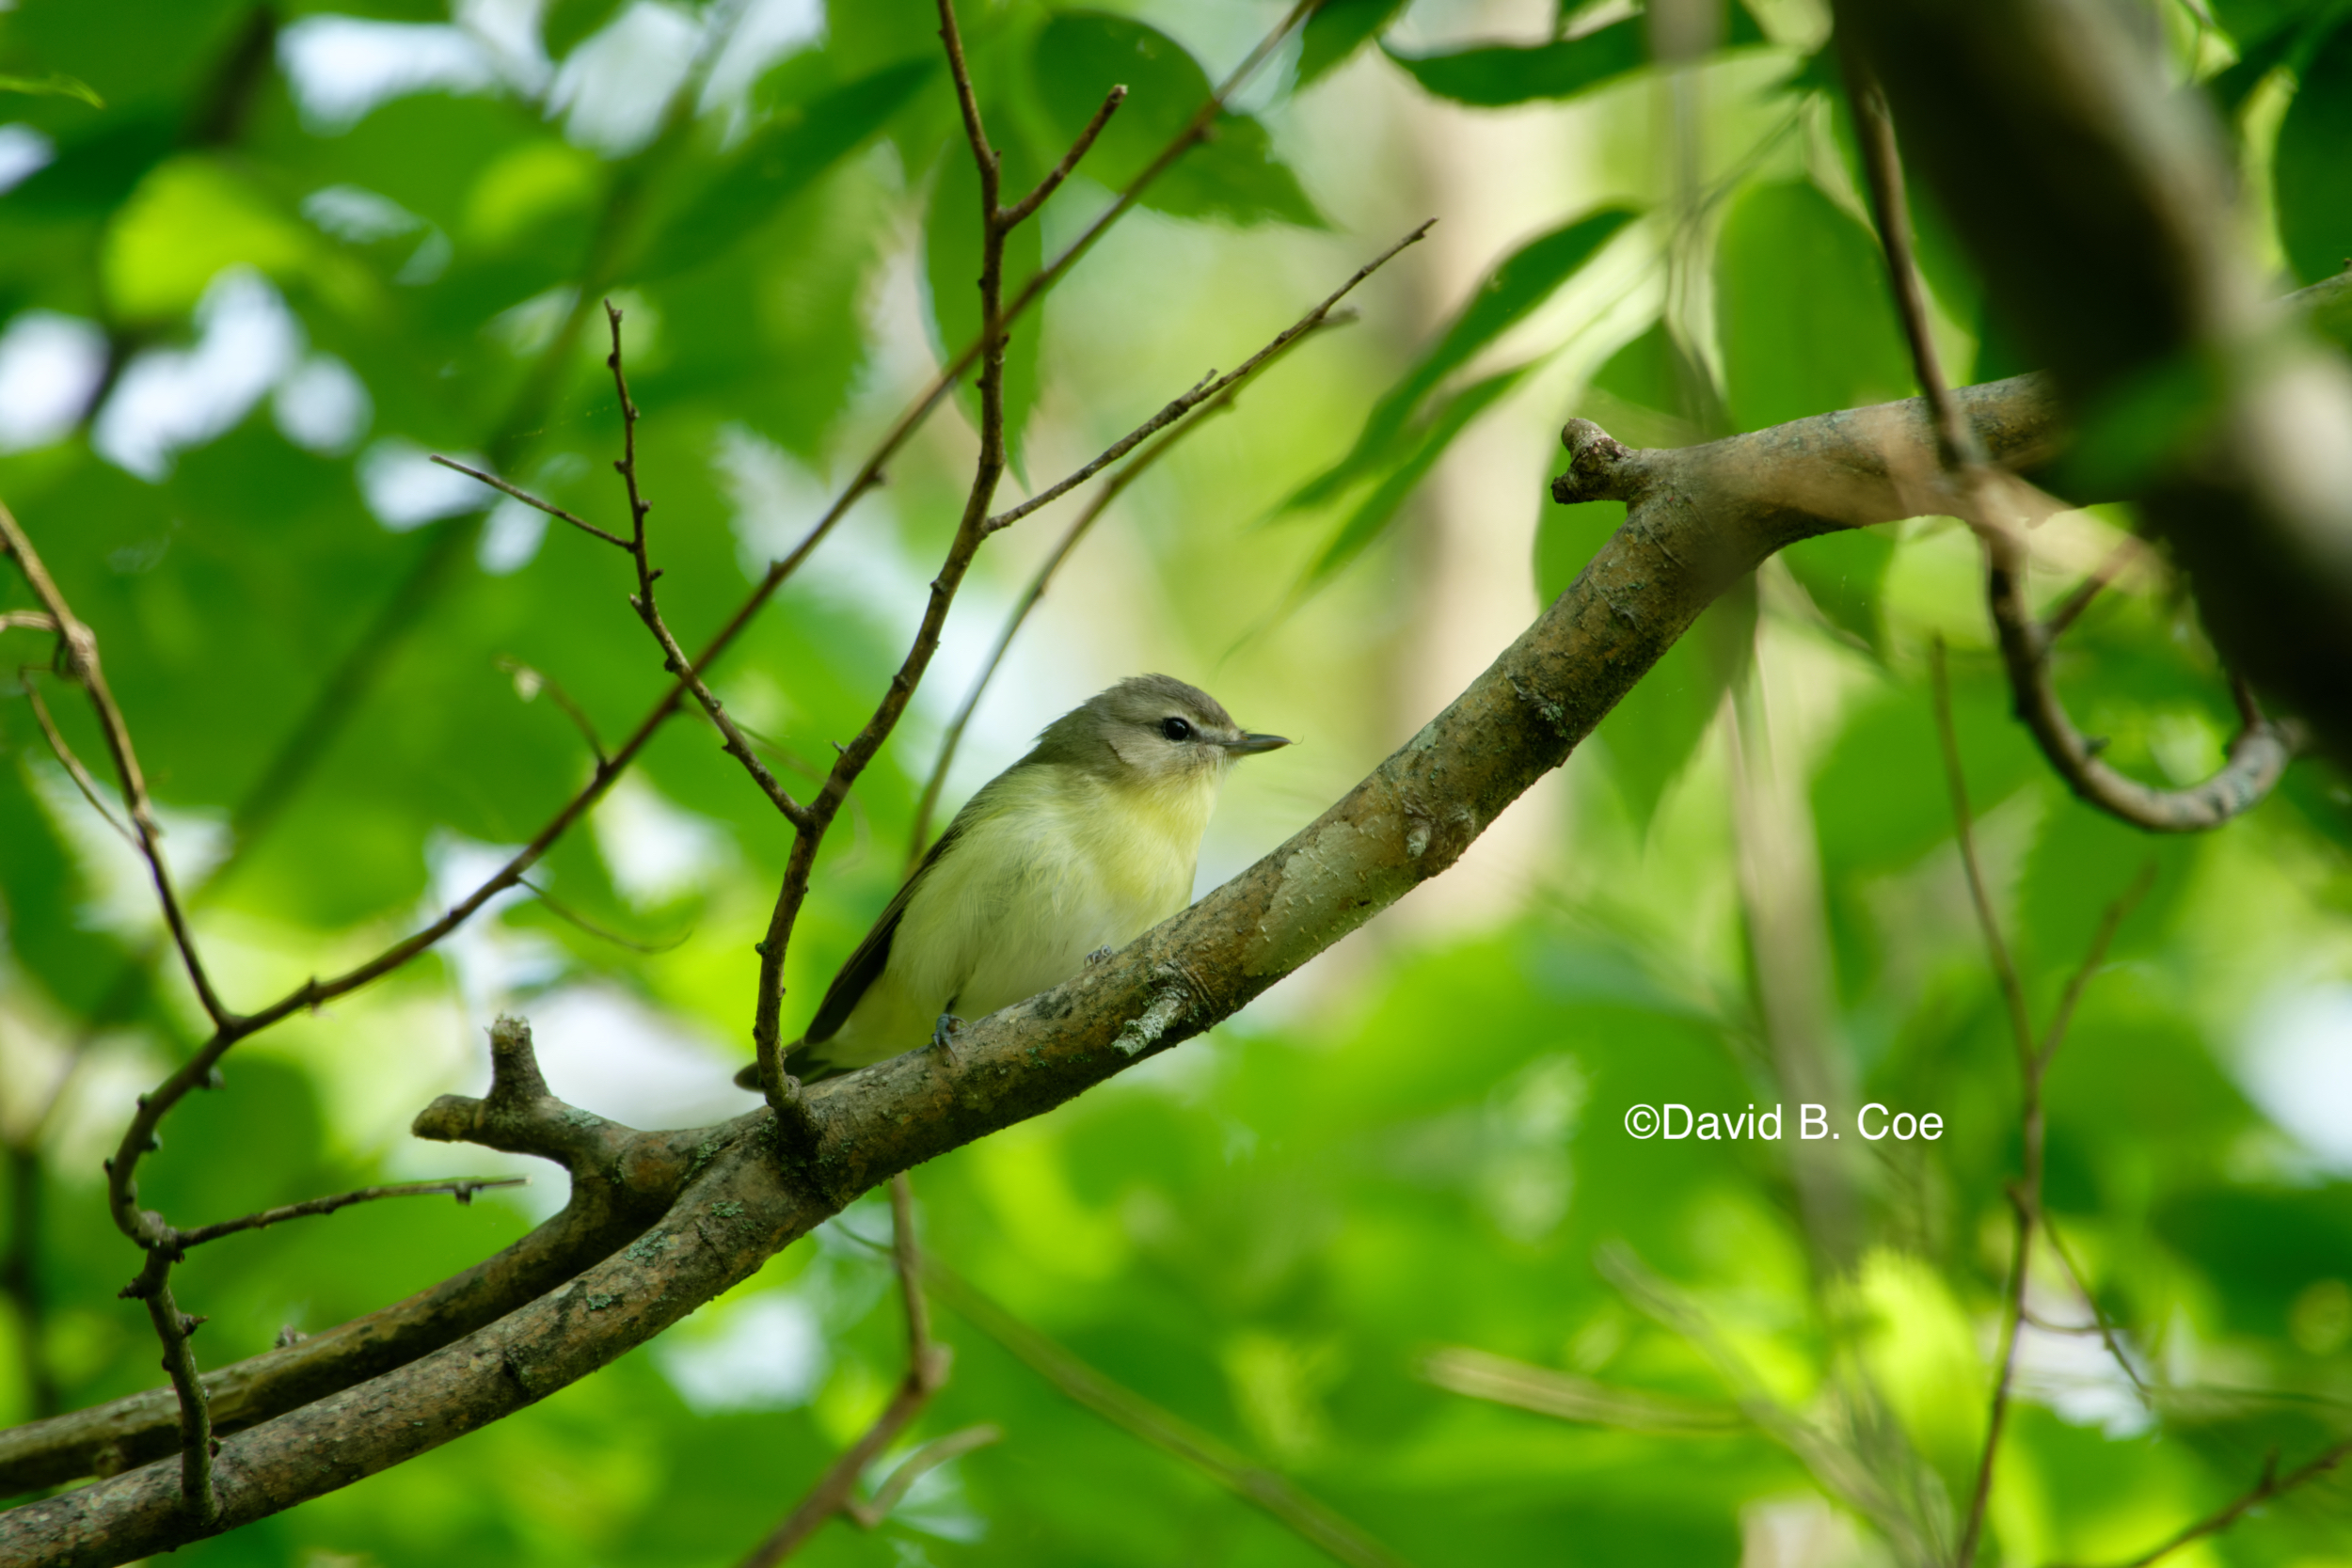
[
  {"x": 2262, "y": 749},
  {"x": 926, "y": 1374}
]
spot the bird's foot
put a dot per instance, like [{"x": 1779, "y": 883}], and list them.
[
  {"x": 1098, "y": 956},
  {"x": 943, "y": 1033}
]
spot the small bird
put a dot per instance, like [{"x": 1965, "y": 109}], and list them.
[{"x": 1068, "y": 855}]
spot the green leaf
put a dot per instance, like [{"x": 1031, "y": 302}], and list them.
[
  {"x": 1337, "y": 30},
  {"x": 1080, "y": 56},
  {"x": 778, "y": 161},
  {"x": 1802, "y": 310},
  {"x": 1843, "y": 573},
  {"x": 1496, "y": 74},
  {"x": 1653, "y": 732},
  {"x": 1517, "y": 285},
  {"x": 2313, "y": 170},
  {"x": 1372, "y": 515}
]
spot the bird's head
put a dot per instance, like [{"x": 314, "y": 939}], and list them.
[{"x": 1151, "y": 730}]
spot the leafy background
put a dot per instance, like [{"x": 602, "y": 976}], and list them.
[{"x": 258, "y": 260}]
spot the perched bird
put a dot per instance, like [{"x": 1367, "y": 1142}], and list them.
[{"x": 1071, "y": 853}]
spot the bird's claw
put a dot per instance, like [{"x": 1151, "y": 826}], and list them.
[
  {"x": 1098, "y": 956},
  {"x": 948, "y": 1025}
]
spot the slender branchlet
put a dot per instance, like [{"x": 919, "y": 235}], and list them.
[{"x": 2262, "y": 747}]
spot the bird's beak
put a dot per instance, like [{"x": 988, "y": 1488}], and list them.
[{"x": 1249, "y": 743}]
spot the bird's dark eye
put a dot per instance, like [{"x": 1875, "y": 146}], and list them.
[{"x": 1175, "y": 729}]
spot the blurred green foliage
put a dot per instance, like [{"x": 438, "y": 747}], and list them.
[{"x": 344, "y": 675}]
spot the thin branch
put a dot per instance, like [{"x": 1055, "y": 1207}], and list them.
[
  {"x": 1130, "y": 1412},
  {"x": 529, "y": 499},
  {"x": 79, "y": 652},
  {"x": 2099, "y": 1324},
  {"x": 2271, "y": 1485},
  {"x": 2055, "y": 624},
  {"x": 461, "y": 1188},
  {"x": 2097, "y": 955},
  {"x": 781, "y": 1092},
  {"x": 573, "y": 917},
  {"x": 926, "y": 1374},
  {"x": 82, "y": 780},
  {"x": 530, "y": 682},
  {"x": 923, "y": 1460},
  {"x": 2004, "y": 968},
  {"x": 673, "y": 657},
  {"x": 909, "y": 1262},
  {"x": 2013, "y": 1316},
  {"x": 2024, "y": 1195},
  {"x": 1021, "y": 211},
  {"x": 1960, "y": 449},
  {"x": 1210, "y": 387},
  {"x": 2262, "y": 749},
  {"x": 27, "y": 619}
]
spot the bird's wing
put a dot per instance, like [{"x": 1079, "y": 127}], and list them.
[{"x": 866, "y": 965}]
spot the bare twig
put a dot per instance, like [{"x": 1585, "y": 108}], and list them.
[
  {"x": 530, "y": 682},
  {"x": 530, "y": 500},
  {"x": 2069, "y": 610},
  {"x": 1021, "y": 211},
  {"x": 64, "y": 754},
  {"x": 2262, "y": 749},
  {"x": 1209, "y": 388},
  {"x": 2092, "y": 958},
  {"x": 673, "y": 657},
  {"x": 78, "y": 658},
  {"x": 27, "y": 619},
  {"x": 2270, "y": 1485},
  {"x": 571, "y": 916},
  {"x": 2099, "y": 1324},
  {"x": 2004, "y": 968},
  {"x": 781, "y": 1092},
  {"x": 1130, "y": 1412},
  {"x": 461, "y": 1188},
  {"x": 926, "y": 1374},
  {"x": 929, "y": 1457},
  {"x": 2024, "y": 1195}
]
